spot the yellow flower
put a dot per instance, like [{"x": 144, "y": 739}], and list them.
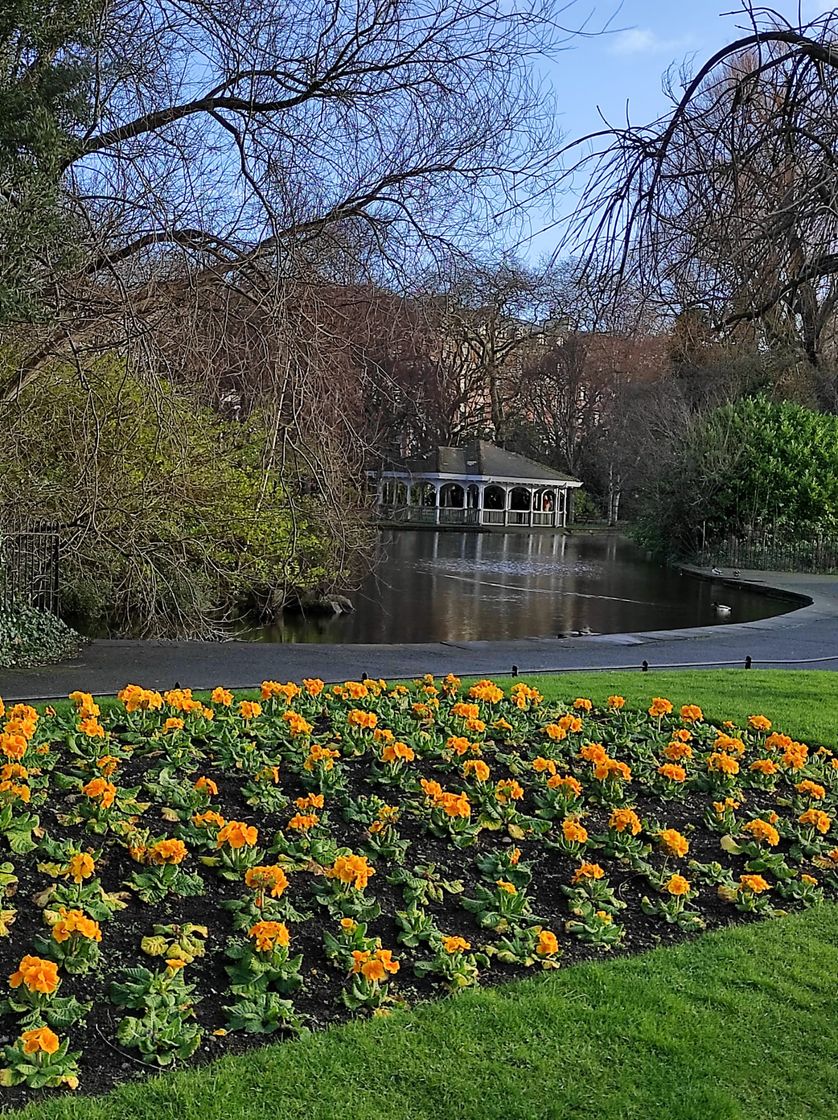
[
  {"x": 487, "y": 691},
  {"x": 809, "y": 880},
  {"x": 507, "y": 888}
]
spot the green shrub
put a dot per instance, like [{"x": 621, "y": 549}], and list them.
[
  {"x": 29, "y": 636},
  {"x": 751, "y": 467}
]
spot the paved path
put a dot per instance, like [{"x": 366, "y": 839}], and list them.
[{"x": 808, "y": 634}]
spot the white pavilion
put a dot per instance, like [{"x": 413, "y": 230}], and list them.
[{"x": 476, "y": 486}]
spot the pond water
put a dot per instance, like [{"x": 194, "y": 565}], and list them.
[{"x": 449, "y": 586}]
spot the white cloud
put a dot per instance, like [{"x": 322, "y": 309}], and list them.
[{"x": 642, "y": 40}]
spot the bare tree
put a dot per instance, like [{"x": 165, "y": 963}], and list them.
[{"x": 729, "y": 204}]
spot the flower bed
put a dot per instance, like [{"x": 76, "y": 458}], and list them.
[{"x": 185, "y": 876}]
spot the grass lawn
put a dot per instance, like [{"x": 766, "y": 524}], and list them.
[{"x": 739, "y": 1024}]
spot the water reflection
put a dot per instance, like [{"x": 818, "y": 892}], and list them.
[{"x": 452, "y": 586}]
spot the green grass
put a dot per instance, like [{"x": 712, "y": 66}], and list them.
[{"x": 738, "y": 1025}]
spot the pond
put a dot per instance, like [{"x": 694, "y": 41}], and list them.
[{"x": 451, "y": 586}]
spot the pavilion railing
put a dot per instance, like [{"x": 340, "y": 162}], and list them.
[{"x": 454, "y": 515}]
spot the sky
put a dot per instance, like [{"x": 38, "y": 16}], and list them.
[{"x": 622, "y": 69}]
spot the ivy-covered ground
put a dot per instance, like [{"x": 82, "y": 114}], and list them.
[{"x": 187, "y": 876}]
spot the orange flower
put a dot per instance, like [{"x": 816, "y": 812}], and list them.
[
  {"x": 625, "y": 820},
  {"x": 547, "y": 944},
  {"x": 173, "y": 723},
  {"x": 476, "y": 767},
  {"x": 506, "y": 887},
  {"x": 74, "y": 921},
  {"x": 507, "y": 789},
  {"x": 682, "y": 734},
  {"x": 764, "y": 766},
  {"x": 764, "y": 832},
  {"x": 318, "y": 756},
  {"x": 374, "y": 967},
  {"x": 455, "y": 944},
  {"x": 302, "y": 822},
  {"x": 313, "y": 686},
  {"x": 754, "y": 883},
  {"x": 487, "y": 691},
  {"x": 80, "y": 866},
  {"x": 107, "y": 764},
  {"x": 593, "y": 752},
  {"x": 677, "y": 750},
  {"x": 659, "y": 707},
  {"x": 587, "y": 871},
  {"x": 310, "y": 801},
  {"x": 269, "y": 935},
  {"x": 91, "y": 727},
  {"x": 364, "y": 720},
  {"x": 222, "y": 696},
  {"x": 207, "y": 785},
  {"x": 351, "y": 869},
  {"x": 723, "y": 764},
  {"x": 395, "y": 752},
  {"x": 554, "y": 732},
  {"x": 459, "y": 744},
  {"x": 432, "y": 789},
  {"x": 673, "y": 843},
  {"x": 167, "y": 851},
  {"x": 673, "y": 773},
  {"x": 759, "y": 723},
  {"x": 99, "y": 788},
  {"x": 574, "y": 833},
  {"x": 678, "y": 886},
  {"x": 565, "y": 782},
  {"x": 175, "y": 964},
  {"x": 809, "y": 880},
  {"x": 465, "y": 711},
  {"x": 612, "y": 768},
  {"x": 288, "y": 692},
  {"x": 691, "y": 713},
  {"x": 544, "y": 765},
  {"x": 201, "y": 820},
  {"x": 811, "y": 789},
  {"x": 36, "y": 975},
  {"x": 582, "y": 704},
  {"x": 816, "y": 819},
  {"x": 269, "y": 878},
  {"x": 616, "y": 702},
  {"x": 455, "y": 804},
  {"x": 249, "y": 709},
  {"x": 238, "y": 835},
  {"x": 39, "y": 1039}
]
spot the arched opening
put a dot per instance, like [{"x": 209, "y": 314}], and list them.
[
  {"x": 473, "y": 496},
  {"x": 520, "y": 498},
  {"x": 494, "y": 497},
  {"x": 452, "y": 496}
]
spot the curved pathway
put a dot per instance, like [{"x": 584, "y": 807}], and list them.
[{"x": 808, "y": 634}]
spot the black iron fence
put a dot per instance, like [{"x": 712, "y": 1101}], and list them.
[
  {"x": 29, "y": 565},
  {"x": 771, "y": 553}
]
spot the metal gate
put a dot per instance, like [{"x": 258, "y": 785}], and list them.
[{"x": 29, "y": 565}]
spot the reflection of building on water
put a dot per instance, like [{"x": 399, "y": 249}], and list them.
[{"x": 476, "y": 486}]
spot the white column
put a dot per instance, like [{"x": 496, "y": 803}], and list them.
[
  {"x": 481, "y": 487},
  {"x": 507, "y": 494},
  {"x": 437, "y": 489}
]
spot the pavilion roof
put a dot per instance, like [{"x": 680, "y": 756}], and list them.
[{"x": 481, "y": 459}]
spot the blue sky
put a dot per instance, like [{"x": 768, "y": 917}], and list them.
[{"x": 624, "y": 66}]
